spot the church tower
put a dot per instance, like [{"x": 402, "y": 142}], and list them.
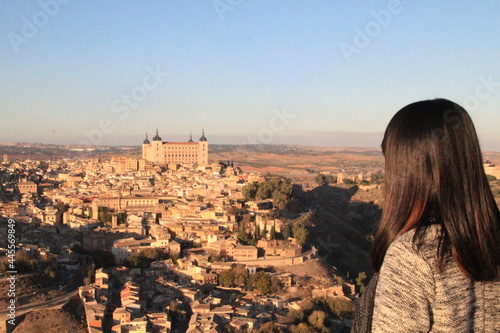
[
  {"x": 145, "y": 145},
  {"x": 157, "y": 149},
  {"x": 203, "y": 149}
]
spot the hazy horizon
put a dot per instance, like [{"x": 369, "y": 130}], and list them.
[{"x": 232, "y": 144}]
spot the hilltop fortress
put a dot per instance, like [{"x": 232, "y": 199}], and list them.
[{"x": 190, "y": 152}]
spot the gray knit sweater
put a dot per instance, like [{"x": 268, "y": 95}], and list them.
[{"x": 413, "y": 296}]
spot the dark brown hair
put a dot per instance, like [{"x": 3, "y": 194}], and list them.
[{"x": 434, "y": 174}]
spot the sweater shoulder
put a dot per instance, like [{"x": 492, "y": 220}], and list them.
[{"x": 426, "y": 249}]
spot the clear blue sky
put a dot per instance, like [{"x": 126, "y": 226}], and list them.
[{"x": 233, "y": 64}]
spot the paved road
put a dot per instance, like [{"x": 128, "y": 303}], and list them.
[{"x": 48, "y": 304}]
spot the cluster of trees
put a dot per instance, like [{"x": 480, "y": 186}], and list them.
[
  {"x": 251, "y": 238},
  {"x": 104, "y": 215},
  {"x": 322, "y": 179},
  {"x": 312, "y": 316},
  {"x": 239, "y": 276},
  {"x": 102, "y": 258},
  {"x": 278, "y": 189},
  {"x": 144, "y": 258},
  {"x": 25, "y": 263},
  {"x": 239, "y": 212},
  {"x": 299, "y": 232}
]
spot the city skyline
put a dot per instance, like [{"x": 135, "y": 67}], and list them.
[{"x": 319, "y": 74}]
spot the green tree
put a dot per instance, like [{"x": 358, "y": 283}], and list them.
[
  {"x": 264, "y": 232},
  {"x": 153, "y": 254},
  {"x": 340, "y": 307},
  {"x": 262, "y": 282},
  {"x": 272, "y": 233},
  {"x": 264, "y": 191},
  {"x": 134, "y": 261},
  {"x": 257, "y": 235},
  {"x": 242, "y": 236},
  {"x": 280, "y": 200},
  {"x": 241, "y": 276},
  {"x": 277, "y": 189},
  {"x": 104, "y": 214},
  {"x": 226, "y": 278},
  {"x": 250, "y": 190},
  {"x": 145, "y": 258},
  {"x": 276, "y": 285},
  {"x": 320, "y": 179},
  {"x": 103, "y": 258},
  {"x": 317, "y": 319},
  {"x": 330, "y": 179},
  {"x": 294, "y": 317},
  {"x": 282, "y": 194},
  {"x": 300, "y": 234}
]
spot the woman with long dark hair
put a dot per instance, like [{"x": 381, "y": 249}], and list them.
[{"x": 437, "y": 247}]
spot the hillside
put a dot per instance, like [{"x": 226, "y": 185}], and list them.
[
  {"x": 342, "y": 226},
  {"x": 69, "y": 319}
]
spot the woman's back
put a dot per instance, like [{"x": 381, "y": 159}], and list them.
[{"x": 413, "y": 295}]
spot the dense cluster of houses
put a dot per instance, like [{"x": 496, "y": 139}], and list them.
[
  {"x": 148, "y": 300},
  {"x": 126, "y": 207}
]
